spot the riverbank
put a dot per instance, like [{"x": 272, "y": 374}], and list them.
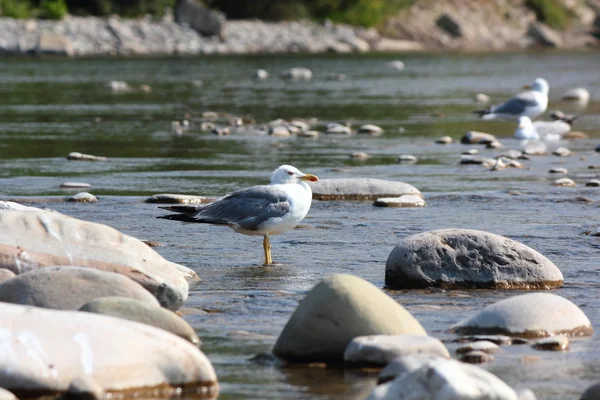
[{"x": 92, "y": 36}]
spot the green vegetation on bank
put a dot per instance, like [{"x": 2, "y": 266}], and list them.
[{"x": 552, "y": 12}]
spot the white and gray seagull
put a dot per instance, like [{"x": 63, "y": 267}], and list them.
[
  {"x": 529, "y": 104},
  {"x": 258, "y": 210}
]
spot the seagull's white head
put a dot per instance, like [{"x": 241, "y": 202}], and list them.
[
  {"x": 539, "y": 85},
  {"x": 289, "y": 174},
  {"x": 525, "y": 130}
]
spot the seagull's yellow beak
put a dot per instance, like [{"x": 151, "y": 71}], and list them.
[
  {"x": 309, "y": 177},
  {"x": 521, "y": 126},
  {"x": 526, "y": 86}
]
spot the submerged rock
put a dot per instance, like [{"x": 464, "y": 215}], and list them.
[
  {"x": 381, "y": 349},
  {"x": 407, "y": 159},
  {"x": 558, "y": 170},
  {"x": 529, "y": 315},
  {"x": 297, "y": 74},
  {"x": 360, "y": 155},
  {"x": 360, "y": 189},
  {"x": 478, "y": 345},
  {"x": 562, "y": 152},
  {"x": 476, "y": 357},
  {"x": 51, "y": 348},
  {"x": 337, "y": 310},
  {"x": 143, "y": 312},
  {"x": 75, "y": 185},
  {"x": 408, "y": 200},
  {"x": 553, "y": 343},
  {"x": 466, "y": 258},
  {"x": 34, "y": 239},
  {"x": 75, "y": 156},
  {"x": 83, "y": 197},
  {"x": 170, "y": 198},
  {"x": 474, "y": 137},
  {"x": 593, "y": 183},
  {"x": 564, "y": 182},
  {"x": 370, "y": 129},
  {"x": 68, "y": 288}
]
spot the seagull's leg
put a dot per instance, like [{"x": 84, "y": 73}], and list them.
[{"x": 267, "y": 248}]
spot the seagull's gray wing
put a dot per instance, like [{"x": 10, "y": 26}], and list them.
[
  {"x": 247, "y": 208},
  {"x": 517, "y": 105}
]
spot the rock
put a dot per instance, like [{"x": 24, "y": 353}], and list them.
[
  {"x": 439, "y": 378},
  {"x": 207, "y": 126},
  {"x": 6, "y": 395},
  {"x": 117, "y": 87},
  {"x": 544, "y": 35},
  {"x": 574, "y": 135},
  {"x": 279, "y": 131},
  {"x": 221, "y": 131},
  {"x": 68, "y": 288},
  {"x": 578, "y": 95},
  {"x": 381, "y": 349},
  {"x": 476, "y": 357},
  {"x": 387, "y": 45},
  {"x": 34, "y": 239},
  {"x": 359, "y": 155},
  {"x": 529, "y": 315},
  {"x": 480, "y": 345},
  {"x": 526, "y": 394},
  {"x": 482, "y": 98},
  {"x": 338, "y": 129},
  {"x": 145, "y": 88},
  {"x": 408, "y": 200},
  {"x": 591, "y": 393},
  {"x": 210, "y": 115},
  {"x": 466, "y": 258},
  {"x": 6, "y": 274},
  {"x": 511, "y": 154},
  {"x": 83, "y": 197},
  {"x": 360, "y": 189},
  {"x": 55, "y": 44},
  {"x": 75, "y": 185},
  {"x": 407, "y": 159},
  {"x": 494, "y": 144},
  {"x": 261, "y": 74},
  {"x": 334, "y": 76},
  {"x": 593, "y": 183},
  {"x": 498, "y": 165},
  {"x": 477, "y": 160},
  {"x": 370, "y": 129},
  {"x": 75, "y": 156},
  {"x": 51, "y": 348},
  {"x": 144, "y": 312},
  {"x": 170, "y": 198},
  {"x": 201, "y": 19},
  {"x": 444, "y": 140},
  {"x": 470, "y": 152},
  {"x": 553, "y": 343},
  {"x": 449, "y": 24},
  {"x": 398, "y": 65},
  {"x": 302, "y": 126},
  {"x": 337, "y": 310},
  {"x": 309, "y": 134},
  {"x": 12, "y": 206},
  {"x": 500, "y": 340},
  {"x": 562, "y": 152},
  {"x": 297, "y": 74},
  {"x": 558, "y": 170},
  {"x": 84, "y": 388},
  {"x": 474, "y": 137},
  {"x": 405, "y": 364},
  {"x": 535, "y": 148},
  {"x": 564, "y": 182}
]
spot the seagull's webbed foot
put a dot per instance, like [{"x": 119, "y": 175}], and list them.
[{"x": 267, "y": 249}]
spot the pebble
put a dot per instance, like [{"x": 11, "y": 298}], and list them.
[
  {"x": 482, "y": 98},
  {"x": 476, "y": 357},
  {"x": 477, "y": 160},
  {"x": 397, "y": 65},
  {"x": 170, "y": 198},
  {"x": 83, "y": 197},
  {"x": 297, "y": 74},
  {"x": 261, "y": 74},
  {"x": 444, "y": 140},
  {"x": 207, "y": 126},
  {"x": 370, "y": 129},
  {"x": 558, "y": 170},
  {"x": 470, "y": 152},
  {"x": 564, "y": 182},
  {"x": 210, "y": 115},
  {"x": 408, "y": 200},
  {"x": 479, "y": 345},
  {"x": 474, "y": 137},
  {"x": 494, "y": 144},
  {"x": 75, "y": 185},
  {"x": 407, "y": 159},
  {"x": 75, "y": 156},
  {"x": 381, "y": 349},
  {"x": 279, "y": 131},
  {"x": 118, "y": 86},
  {"x": 144, "y": 88},
  {"x": 338, "y": 129},
  {"x": 535, "y": 148},
  {"x": 360, "y": 155},
  {"x": 360, "y": 189},
  {"x": 511, "y": 154},
  {"x": 593, "y": 183},
  {"x": 552, "y": 343},
  {"x": 562, "y": 152}
]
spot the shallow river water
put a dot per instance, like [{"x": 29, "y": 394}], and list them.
[{"x": 50, "y": 107}]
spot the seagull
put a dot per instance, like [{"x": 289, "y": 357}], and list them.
[
  {"x": 530, "y": 104},
  {"x": 258, "y": 210},
  {"x": 544, "y": 130}
]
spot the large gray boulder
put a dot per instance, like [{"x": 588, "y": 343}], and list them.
[
  {"x": 466, "y": 258},
  {"x": 45, "y": 350},
  {"x": 381, "y": 349},
  {"x": 68, "y": 288},
  {"x": 201, "y": 19},
  {"x": 145, "y": 313},
  {"x": 335, "y": 311},
  {"x": 35, "y": 239},
  {"x": 529, "y": 315},
  {"x": 360, "y": 189}
]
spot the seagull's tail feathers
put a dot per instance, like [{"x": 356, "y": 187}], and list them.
[
  {"x": 178, "y": 217},
  {"x": 188, "y": 210},
  {"x": 485, "y": 113}
]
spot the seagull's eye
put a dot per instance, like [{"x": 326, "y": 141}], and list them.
[{"x": 290, "y": 173}]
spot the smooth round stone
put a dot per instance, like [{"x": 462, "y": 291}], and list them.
[
  {"x": 337, "y": 310},
  {"x": 75, "y": 185},
  {"x": 526, "y": 394},
  {"x": 261, "y": 74},
  {"x": 467, "y": 258},
  {"x": 75, "y": 156},
  {"x": 558, "y": 170},
  {"x": 440, "y": 378},
  {"x": 308, "y": 134},
  {"x": 511, "y": 163},
  {"x": 579, "y": 95},
  {"x": 499, "y": 340},
  {"x": 553, "y": 343},
  {"x": 466, "y": 159},
  {"x": 529, "y": 315},
  {"x": 84, "y": 388},
  {"x": 407, "y": 159},
  {"x": 360, "y": 155},
  {"x": 562, "y": 152},
  {"x": 593, "y": 183},
  {"x": 409, "y": 200},
  {"x": 535, "y": 148},
  {"x": 498, "y": 165},
  {"x": 370, "y": 129},
  {"x": 445, "y": 140},
  {"x": 221, "y": 131},
  {"x": 381, "y": 349},
  {"x": 480, "y": 345},
  {"x": 170, "y": 198},
  {"x": 474, "y": 137},
  {"x": 297, "y": 74},
  {"x": 12, "y": 206},
  {"x": 591, "y": 393},
  {"x": 564, "y": 182},
  {"x": 301, "y": 126},
  {"x": 482, "y": 98},
  {"x": 476, "y": 357},
  {"x": 494, "y": 144},
  {"x": 279, "y": 131},
  {"x": 68, "y": 288},
  {"x": 83, "y": 197},
  {"x": 470, "y": 152},
  {"x": 405, "y": 364},
  {"x": 207, "y": 126},
  {"x": 145, "y": 313},
  {"x": 6, "y": 274},
  {"x": 512, "y": 154},
  {"x": 360, "y": 189},
  {"x": 397, "y": 65},
  {"x": 6, "y": 395},
  {"x": 338, "y": 129}
]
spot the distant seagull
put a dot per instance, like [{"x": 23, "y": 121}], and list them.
[
  {"x": 258, "y": 210},
  {"x": 541, "y": 130},
  {"x": 530, "y": 104}
]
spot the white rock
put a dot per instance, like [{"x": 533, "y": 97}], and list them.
[
  {"x": 12, "y": 206},
  {"x": 479, "y": 345},
  {"x": 405, "y": 364},
  {"x": 381, "y": 349},
  {"x": 475, "y": 357},
  {"x": 398, "y": 65},
  {"x": 408, "y": 200},
  {"x": 76, "y": 156},
  {"x": 360, "y": 189},
  {"x": 528, "y": 315},
  {"x": 297, "y": 74},
  {"x": 535, "y": 148},
  {"x": 474, "y": 137},
  {"x": 338, "y": 129},
  {"x": 579, "y": 95},
  {"x": 75, "y": 185},
  {"x": 407, "y": 159},
  {"x": 360, "y": 155},
  {"x": 553, "y": 343},
  {"x": 279, "y": 131},
  {"x": 482, "y": 98},
  {"x": 564, "y": 182},
  {"x": 118, "y": 87},
  {"x": 83, "y": 197},
  {"x": 445, "y": 140},
  {"x": 562, "y": 152},
  {"x": 558, "y": 170},
  {"x": 593, "y": 183},
  {"x": 370, "y": 129},
  {"x": 261, "y": 74}
]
